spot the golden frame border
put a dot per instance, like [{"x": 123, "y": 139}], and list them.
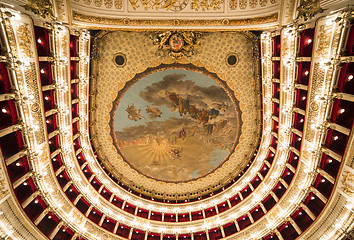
[{"x": 174, "y": 22}]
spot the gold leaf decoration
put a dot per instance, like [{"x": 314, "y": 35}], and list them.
[
  {"x": 108, "y": 3},
  {"x": 253, "y": 3},
  {"x": 323, "y": 41},
  {"x": 263, "y": 3},
  {"x": 233, "y": 4},
  {"x": 177, "y": 5},
  {"x": 308, "y": 9},
  {"x": 276, "y": 211},
  {"x": 187, "y": 43},
  {"x": 118, "y": 4},
  {"x": 168, "y": 22},
  {"x": 43, "y": 8},
  {"x": 24, "y": 39},
  {"x": 348, "y": 183},
  {"x": 98, "y": 3},
  {"x": 243, "y": 4}
]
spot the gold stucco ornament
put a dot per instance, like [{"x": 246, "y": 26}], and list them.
[
  {"x": 43, "y": 8},
  {"x": 308, "y": 9},
  {"x": 176, "y": 44}
]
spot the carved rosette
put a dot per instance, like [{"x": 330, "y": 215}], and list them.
[
  {"x": 243, "y": 4},
  {"x": 233, "y": 4},
  {"x": 108, "y": 3}
]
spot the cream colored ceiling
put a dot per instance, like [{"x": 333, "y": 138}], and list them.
[
  {"x": 191, "y": 14},
  {"x": 333, "y": 223},
  {"x": 142, "y": 54},
  {"x": 173, "y": 14}
]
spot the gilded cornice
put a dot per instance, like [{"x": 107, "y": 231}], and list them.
[{"x": 174, "y": 22}]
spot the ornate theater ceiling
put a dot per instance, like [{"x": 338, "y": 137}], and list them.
[
  {"x": 171, "y": 122},
  {"x": 176, "y": 119},
  {"x": 182, "y": 14}
]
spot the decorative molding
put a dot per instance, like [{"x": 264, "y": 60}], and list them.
[
  {"x": 308, "y": 9},
  {"x": 4, "y": 191},
  {"x": 24, "y": 39},
  {"x": 118, "y": 4},
  {"x": 176, "y": 44},
  {"x": 64, "y": 205},
  {"x": 43, "y": 8},
  {"x": 233, "y": 4},
  {"x": 324, "y": 40},
  {"x": 176, "y": 6},
  {"x": 199, "y": 59},
  {"x": 174, "y": 22},
  {"x": 348, "y": 183}
]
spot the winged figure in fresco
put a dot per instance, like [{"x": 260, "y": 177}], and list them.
[
  {"x": 153, "y": 112},
  {"x": 134, "y": 113}
]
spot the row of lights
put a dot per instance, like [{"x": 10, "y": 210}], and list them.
[
  {"x": 62, "y": 113},
  {"x": 102, "y": 174},
  {"x": 9, "y": 232}
]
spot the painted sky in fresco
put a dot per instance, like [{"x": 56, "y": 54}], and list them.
[
  {"x": 133, "y": 96},
  {"x": 175, "y": 125}
]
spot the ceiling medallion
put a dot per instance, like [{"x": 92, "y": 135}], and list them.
[
  {"x": 176, "y": 123},
  {"x": 176, "y": 44}
]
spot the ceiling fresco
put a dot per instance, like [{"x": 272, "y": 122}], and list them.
[{"x": 175, "y": 123}]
